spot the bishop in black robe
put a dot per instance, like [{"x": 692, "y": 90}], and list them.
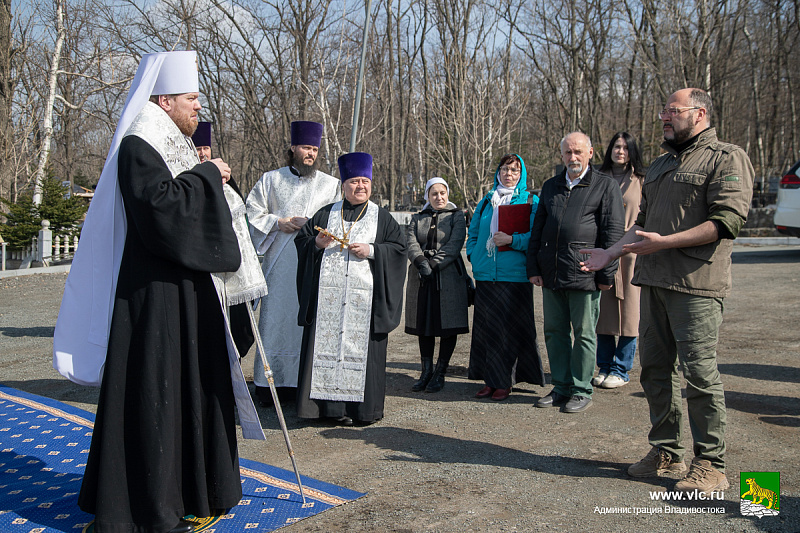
[
  {"x": 164, "y": 441},
  {"x": 388, "y": 274}
]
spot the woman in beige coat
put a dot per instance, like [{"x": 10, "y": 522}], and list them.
[{"x": 618, "y": 326}]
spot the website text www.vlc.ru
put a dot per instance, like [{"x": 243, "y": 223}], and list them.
[{"x": 671, "y": 496}]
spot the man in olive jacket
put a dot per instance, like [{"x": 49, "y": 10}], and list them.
[
  {"x": 579, "y": 208},
  {"x": 695, "y": 199}
]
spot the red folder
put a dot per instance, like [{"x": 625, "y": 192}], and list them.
[{"x": 513, "y": 219}]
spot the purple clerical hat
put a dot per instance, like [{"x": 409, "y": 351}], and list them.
[
  {"x": 355, "y": 164},
  {"x": 306, "y": 133},
  {"x": 202, "y": 135}
]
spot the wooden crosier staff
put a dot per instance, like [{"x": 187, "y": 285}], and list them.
[{"x": 268, "y": 373}]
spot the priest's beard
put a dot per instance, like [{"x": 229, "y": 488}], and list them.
[{"x": 304, "y": 170}]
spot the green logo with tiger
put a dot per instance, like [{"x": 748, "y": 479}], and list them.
[{"x": 760, "y": 493}]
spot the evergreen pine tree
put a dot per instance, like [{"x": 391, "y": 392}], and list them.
[{"x": 24, "y": 220}]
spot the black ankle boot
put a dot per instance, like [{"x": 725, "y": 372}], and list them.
[
  {"x": 425, "y": 377},
  {"x": 437, "y": 381}
]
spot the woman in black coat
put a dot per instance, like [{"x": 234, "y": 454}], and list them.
[{"x": 436, "y": 295}]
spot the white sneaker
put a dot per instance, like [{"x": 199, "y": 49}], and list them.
[
  {"x": 599, "y": 379},
  {"x": 612, "y": 382}
]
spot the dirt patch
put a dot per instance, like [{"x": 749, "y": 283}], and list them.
[{"x": 448, "y": 462}]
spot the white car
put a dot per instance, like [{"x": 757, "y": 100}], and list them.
[{"x": 787, "y": 210}]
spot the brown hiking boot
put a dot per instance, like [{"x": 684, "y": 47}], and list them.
[
  {"x": 656, "y": 463},
  {"x": 702, "y": 477}
]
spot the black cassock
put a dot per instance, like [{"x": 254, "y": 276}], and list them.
[
  {"x": 164, "y": 441},
  {"x": 388, "y": 275}
]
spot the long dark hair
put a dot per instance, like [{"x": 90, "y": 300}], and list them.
[{"x": 634, "y": 154}]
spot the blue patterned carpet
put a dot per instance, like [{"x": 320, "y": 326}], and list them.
[{"x": 43, "y": 449}]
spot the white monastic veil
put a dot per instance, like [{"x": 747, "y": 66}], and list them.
[{"x": 81, "y": 334}]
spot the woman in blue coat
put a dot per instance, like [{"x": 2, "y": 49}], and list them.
[{"x": 504, "y": 350}]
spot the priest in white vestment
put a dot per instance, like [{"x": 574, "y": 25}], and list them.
[{"x": 277, "y": 207}]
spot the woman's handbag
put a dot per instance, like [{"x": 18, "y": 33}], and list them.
[
  {"x": 470, "y": 290},
  {"x": 467, "y": 280}
]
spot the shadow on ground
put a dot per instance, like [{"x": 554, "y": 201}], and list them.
[
  {"x": 420, "y": 447},
  {"x": 37, "y": 331},
  {"x": 786, "y": 374},
  {"x": 399, "y": 385},
  {"x": 62, "y": 390},
  {"x": 779, "y": 410}
]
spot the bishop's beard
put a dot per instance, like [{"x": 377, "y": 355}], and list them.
[{"x": 186, "y": 125}]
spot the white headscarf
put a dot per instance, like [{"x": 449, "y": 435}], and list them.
[
  {"x": 431, "y": 182},
  {"x": 84, "y": 320}
]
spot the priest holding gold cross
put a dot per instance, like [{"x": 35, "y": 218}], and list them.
[{"x": 351, "y": 297}]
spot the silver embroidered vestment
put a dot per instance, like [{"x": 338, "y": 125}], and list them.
[
  {"x": 344, "y": 311},
  {"x": 278, "y": 194}
]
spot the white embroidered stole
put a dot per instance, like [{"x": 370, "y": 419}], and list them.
[
  {"x": 247, "y": 283},
  {"x": 344, "y": 312},
  {"x": 155, "y": 127}
]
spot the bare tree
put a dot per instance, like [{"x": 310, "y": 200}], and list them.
[
  {"x": 7, "y": 53},
  {"x": 47, "y": 121},
  {"x": 450, "y": 85}
]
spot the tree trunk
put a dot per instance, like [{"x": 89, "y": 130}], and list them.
[
  {"x": 6, "y": 98},
  {"x": 47, "y": 123}
]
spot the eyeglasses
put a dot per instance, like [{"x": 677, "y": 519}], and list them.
[
  {"x": 672, "y": 111},
  {"x": 510, "y": 170}
]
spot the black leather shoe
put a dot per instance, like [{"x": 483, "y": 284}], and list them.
[
  {"x": 344, "y": 421},
  {"x": 577, "y": 404},
  {"x": 553, "y": 399},
  {"x": 182, "y": 527}
]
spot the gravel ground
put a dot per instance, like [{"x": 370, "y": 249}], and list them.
[{"x": 448, "y": 462}]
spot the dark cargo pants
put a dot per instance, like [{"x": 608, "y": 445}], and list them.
[{"x": 678, "y": 328}]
